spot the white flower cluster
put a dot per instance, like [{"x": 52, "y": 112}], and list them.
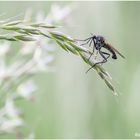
[
  {"x": 9, "y": 117},
  {"x": 18, "y": 65}
]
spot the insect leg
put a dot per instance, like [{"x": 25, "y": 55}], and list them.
[
  {"x": 105, "y": 59},
  {"x": 92, "y": 51},
  {"x": 86, "y": 42},
  {"x": 90, "y": 43},
  {"x": 83, "y": 39},
  {"x": 103, "y": 55},
  {"x": 108, "y": 55}
]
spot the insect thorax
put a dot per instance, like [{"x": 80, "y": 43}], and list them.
[{"x": 99, "y": 42}]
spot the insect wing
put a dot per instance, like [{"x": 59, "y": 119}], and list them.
[{"x": 110, "y": 46}]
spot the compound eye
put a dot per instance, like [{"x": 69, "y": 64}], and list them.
[
  {"x": 99, "y": 39},
  {"x": 102, "y": 40}
]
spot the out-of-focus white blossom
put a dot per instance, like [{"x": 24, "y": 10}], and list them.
[
  {"x": 4, "y": 47},
  {"x": 32, "y": 57},
  {"x": 43, "y": 63},
  {"x": 27, "y": 89},
  {"x": 37, "y": 54},
  {"x": 10, "y": 117},
  {"x": 3, "y": 69},
  {"x": 10, "y": 109},
  {"x": 28, "y": 48},
  {"x": 40, "y": 17},
  {"x": 9, "y": 125},
  {"x": 57, "y": 14},
  {"x": 41, "y": 59}
]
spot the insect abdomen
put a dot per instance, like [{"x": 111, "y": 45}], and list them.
[{"x": 114, "y": 56}]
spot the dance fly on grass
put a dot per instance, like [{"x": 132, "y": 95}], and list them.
[{"x": 99, "y": 42}]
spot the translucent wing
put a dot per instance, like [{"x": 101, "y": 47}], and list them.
[{"x": 111, "y": 47}]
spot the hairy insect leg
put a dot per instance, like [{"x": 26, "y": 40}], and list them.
[
  {"x": 103, "y": 56},
  {"x": 92, "y": 51},
  {"x": 101, "y": 62},
  {"x": 93, "y": 40},
  {"x": 83, "y": 39},
  {"x": 108, "y": 55},
  {"x": 86, "y": 42}
]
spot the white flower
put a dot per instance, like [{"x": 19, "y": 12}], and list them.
[
  {"x": 55, "y": 15},
  {"x": 27, "y": 89},
  {"x": 27, "y": 48},
  {"x": 10, "y": 109},
  {"x": 9, "y": 117},
  {"x": 3, "y": 69},
  {"x": 60, "y": 13},
  {"x": 4, "y": 47},
  {"x": 41, "y": 60},
  {"x": 9, "y": 125},
  {"x": 40, "y": 17}
]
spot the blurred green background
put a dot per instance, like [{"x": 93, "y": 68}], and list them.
[{"x": 72, "y": 104}]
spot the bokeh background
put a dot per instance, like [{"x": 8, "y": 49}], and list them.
[{"x": 70, "y": 103}]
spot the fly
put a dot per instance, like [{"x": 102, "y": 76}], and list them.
[{"x": 99, "y": 42}]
